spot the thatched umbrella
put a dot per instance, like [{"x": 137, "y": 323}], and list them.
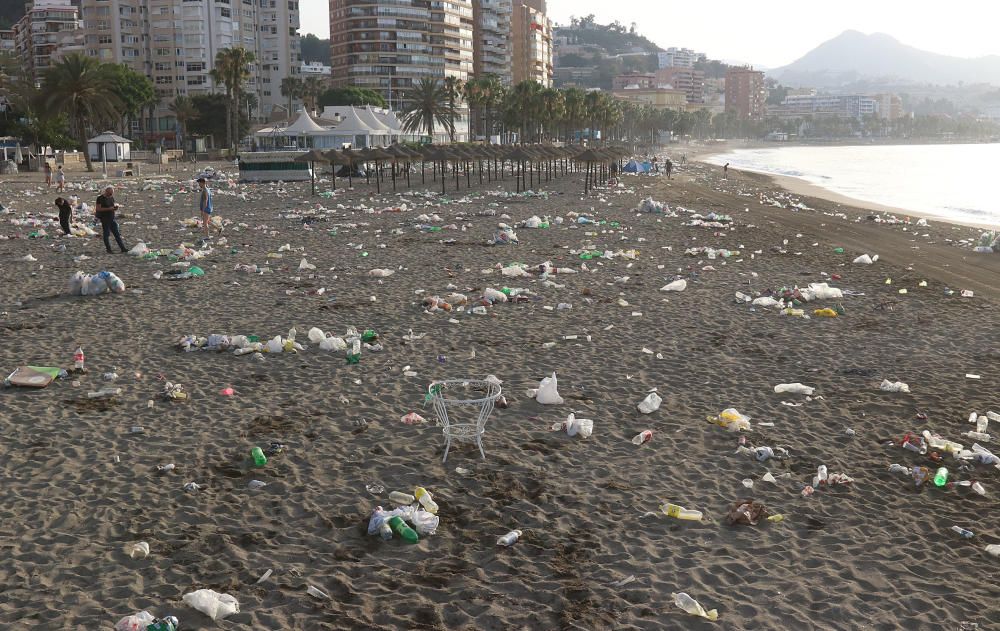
[
  {"x": 439, "y": 153},
  {"x": 520, "y": 155},
  {"x": 312, "y": 157},
  {"x": 398, "y": 153},
  {"x": 335, "y": 157},
  {"x": 379, "y": 155},
  {"x": 353, "y": 157},
  {"x": 590, "y": 157}
]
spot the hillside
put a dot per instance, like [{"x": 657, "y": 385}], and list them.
[
  {"x": 10, "y": 12},
  {"x": 607, "y": 49},
  {"x": 854, "y": 56},
  {"x": 613, "y": 38}
]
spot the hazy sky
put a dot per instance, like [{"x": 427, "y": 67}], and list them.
[{"x": 772, "y": 33}]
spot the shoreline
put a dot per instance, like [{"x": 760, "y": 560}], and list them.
[{"x": 800, "y": 186}]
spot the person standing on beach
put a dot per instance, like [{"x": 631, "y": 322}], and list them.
[
  {"x": 105, "y": 211},
  {"x": 725, "y": 172},
  {"x": 205, "y": 205},
  {"x": 668, "y": 167},
  {"x": 60, "y": 179},
  {"x": 48, "y": 174},
  {"x": 65, "y": 213}
]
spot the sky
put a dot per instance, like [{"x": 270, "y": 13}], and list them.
[{"x": 772, "y": 33}]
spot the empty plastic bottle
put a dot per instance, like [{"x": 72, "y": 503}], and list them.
[
  {"x": 78, "y": 359},
  {"x": 978, "y": 489},
  {"x": 821, "y": 476},
  {"x": 424, "y": 497},
  {"x": 941, "y": 476},
  {"x": 509, "y": 539},
  {"x": 259, "y": 459},
  {"x": 401, "y": 499},
  {"x": 982, "y": 423},
  {"x": 966, "y": 534},
  {"x": 691, "y": 606},
  {"x": 380, "y": 523},
  {"x": 679, "y": 512},
  {"x": 399, "y": 527},
  {"x": 643, "y": 437},
  {"x": 166, "y": 623}
]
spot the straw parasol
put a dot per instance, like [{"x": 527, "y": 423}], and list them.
[{"x": 312, "y": 157}]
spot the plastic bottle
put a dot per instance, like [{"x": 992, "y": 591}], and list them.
[
  {"x": 354, "y": 352},
  {"x": 821, "y": 476},
  {"x": 982, "y": 423},
  {"x": 978, "y": 436},
  {"x": 166, "y": 623},
  {"x": 401, "y": 499},
  {"x": 78, "y": 359},
  {"x": 966, "y": 534},
  {"x": 691, "y": 606},
  {"x": 978, "y": 489},
  {"x": 399, "y": 527},
  {"x": 679, "y": 512},
  {"x": 643, "y": 437},
  {"x": 425, "y": 499},
  {"x": 259, "y": 459},
  {"x": 509, "y": 539},
  {"x": 380, "y": 523},
  {"x": 941, "y": 476}
]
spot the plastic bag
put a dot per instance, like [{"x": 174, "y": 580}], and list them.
[
  {"x": 139, "y": 249},
  {"x": 765, "y": 301},
  {"x": 747, "y": 512},
  {"x": 548, "y": 391},
  {"x": 794, "y": 388},
  {"x": 677, "y": 285},
  {"x": 492, "y": 295},
  {"x": 135, "y": 622},
  {"x": 731, "y": 419},
  {"x": 650, "y": 404},
  {"x": 823, "y": 291},
  {"x": 305, "y": 265},
  {"x": 316, "y": 335},
  {"x": 424, "y": 523},
  {"x": 893, "y": 386},
  {"x": 212, "y": 603},
  {"x": 381, "y": 273},
  {"x": 274, "y": 345},
  {"x": 865, "y": 259},
  {"x": 333, "y": 343}
]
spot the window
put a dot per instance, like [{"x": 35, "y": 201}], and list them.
[
  {"x": 136, "y": 126},
  {"x": 161, "y": 66},
  {"x": 162, "y": 52},
  {"x": 196, "y": 80},
  {"x": 164, "y": 80},
  {"x": 103, "y": 39},
  {"x": 197, "y": 66},
  {"x": 226, "y": 13}
]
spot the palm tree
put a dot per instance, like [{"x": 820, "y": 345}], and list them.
[
  {"x": 82, "y": 88},
  {"x": 312, "y": 87},
  {"x": 575, "y": 104},
  {"x": 425, "y": 104},
  {"x": 232, "y": 71},
  {"x": 291, "y": 87},
  {"x": 522, "y": 108},
  {"x": 184, "y": 112},
  {"x": 553, "y": 109},
  {"x": 453, "y": 90}
]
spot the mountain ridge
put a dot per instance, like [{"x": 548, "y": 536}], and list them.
[{"x": 853, "y": 56}]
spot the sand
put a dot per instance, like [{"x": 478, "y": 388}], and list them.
[{"x": 876, "y": 554}]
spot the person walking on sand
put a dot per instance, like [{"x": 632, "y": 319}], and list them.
[
  {"x": 668, "y": 166},
  {"x": 725, "y": 172},
  {"x": 60, "y": 179},
  {"x": 65, "y": 213},
  {"x": 48, "y": 174},
  {"x": 205, "y": 205},
  {"x": 105, "y": 211}
]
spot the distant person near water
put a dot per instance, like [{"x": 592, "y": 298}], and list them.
[
  {"x": 725, "y": 172},
  {"x": 205, "y": 205},
  {"x": 105, "y": 211},
  {"x": 65, "y": 213}
]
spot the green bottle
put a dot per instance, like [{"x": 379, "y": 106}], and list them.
[
  {"x": 399, "y": 527},
  {"x": 941, "y": 476},
  {"x": 259, "y": 459}
]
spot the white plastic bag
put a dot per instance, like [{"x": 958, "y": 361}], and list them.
[
  {"x": 424, "y": 523},
  {"x": 139, "y": 249},
  {"x": 381, "y": 273},
  {"x": 650, "y": 404},
  {"x": 493, "y": 295},
  {"x": 823, "y": 291},
  {"x": 894, "y": 386},
  {"x": 677, "y": 285},
  {"x": 274, "y": 345},
  {"x": 305, "y": 265},
  {"x": 316, "y": 335},
  {"x": 212, "y": 603},
  {"x": 333, "y": 344},
  {"x": 135, "y": 622},
  {"x": 765, "y": 301},
  {"x": 865, "y": 259},
  {"x": 793, "y": 388},
  {"x": 548, "y": 391}
]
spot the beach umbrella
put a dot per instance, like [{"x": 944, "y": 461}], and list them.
[
  {"x": 378, "y": 155},
  {"x": 520, "y": 155},
  {"x": 335, "y": 157},
  {"x": 590, "y": 157},
  {"x": 398, "y": 153},
  {"x": 353, "y": 157},
  {"x": 438, "y": 153},
  {"x": 312, "y": 157}
]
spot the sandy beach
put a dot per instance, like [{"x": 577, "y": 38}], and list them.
[{"x": 77, "y": 484}]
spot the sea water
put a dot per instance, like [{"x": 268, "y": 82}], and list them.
[{"x": 950, "y": 182}]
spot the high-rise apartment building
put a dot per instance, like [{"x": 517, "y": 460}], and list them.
[
  {"x": 47, "y": 25},
  {"x": 746, "y": 95},
  {"x": 174, "y": 43},
  {"x": 679, "y": 58},
  {"x": 492, "y": 41},
  {"x": 688, "y": 80},
  {"x": 531, "y": 32},
  {"x": 389, "y": 45}
]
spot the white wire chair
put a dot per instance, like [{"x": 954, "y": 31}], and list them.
[{"x": 458, "y": 393}]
